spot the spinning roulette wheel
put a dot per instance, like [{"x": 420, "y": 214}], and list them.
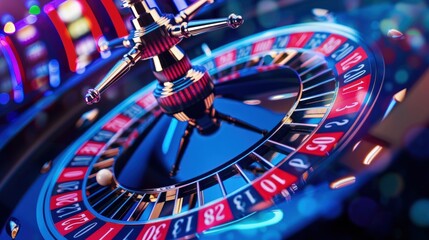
[{"x": 239, "y": 139}]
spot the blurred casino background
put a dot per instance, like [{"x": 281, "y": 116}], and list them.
[{"x": 39, "y": 94}]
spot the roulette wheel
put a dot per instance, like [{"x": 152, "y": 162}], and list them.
[{"x": 258, "y": 137}]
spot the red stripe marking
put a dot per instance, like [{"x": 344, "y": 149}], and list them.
[
  {"x": 90, "y": 149},
  {"x": 147, "y": 101},
  {"x": 72, "y": 174},
  {"x": 65, "y": 199},
  {"x": 273, "y": 183},
  {"x": 107, "y": 231},
  {"x": 214, "y": 215},
  {"x": 350, "y": 97},
  {"x": 156, "y": 230},
  {"x": 74, "y": 223},
  {"x": 95, "y": 26},
  {"x": 320, "y": 144},
  {"x": 117, "y": 123},
  {"x": 351, "y": 60},
  {"x": 298, "y": 40},
  {"x": 116, "y": 18},
  {"x": 263, "y": 46},
  {"x": 226, "y": 58},
  {"x": 331, "y": 44},
  {"x": 64, "y": 35}
]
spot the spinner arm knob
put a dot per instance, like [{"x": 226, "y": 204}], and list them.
[
  {"x": 119, "y": 70},
  {"x": 202, "y": 26}
]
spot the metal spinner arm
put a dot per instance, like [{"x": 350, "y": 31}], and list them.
[
  {"x": 155, "y": 37},
  {"x": 119, "y": 70},
  {"x": 183, "y": 91}
]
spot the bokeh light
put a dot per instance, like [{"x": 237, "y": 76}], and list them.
[
  {"x": 7, "y": 18},
  {"x": 30, "y": 3},
  {"x": 4, "y": 98},
  {"x": 34, "y": 10},
  {"x": 405, "y": 13},
  {"x": 419, "y": 213},
  {"x": 401, "y": 76},
  {"x": 391, "y": 185},
  {"x": 31, "y": 19},
  {"x": 9, "y": 28},
  {"x": 388, "y": 24},
  {"x": 415, "y": 38}
]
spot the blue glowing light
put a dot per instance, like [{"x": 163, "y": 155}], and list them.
[
  {"x": 169, "y": 136},
  {"x": 268, "y": 218},
  {"x": 6, "y": 18},
  {"x": 419, "y": 213},
  {"x": 401, "y": 76},
  {"x": 54, "y": 73},
  {"x": 4, "y": 98},
  {"x": 390, "y": 108}
]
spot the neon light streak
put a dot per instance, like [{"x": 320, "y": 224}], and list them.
[
  {"x": 95, "y": 26},
  {"x": 64, "y": 35},
  {"x": 16, "y": 69},
  {"x": 343, "y": 182},
  {"x": 372, "y": 154},
  {"x": 116, "y": 18}
]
